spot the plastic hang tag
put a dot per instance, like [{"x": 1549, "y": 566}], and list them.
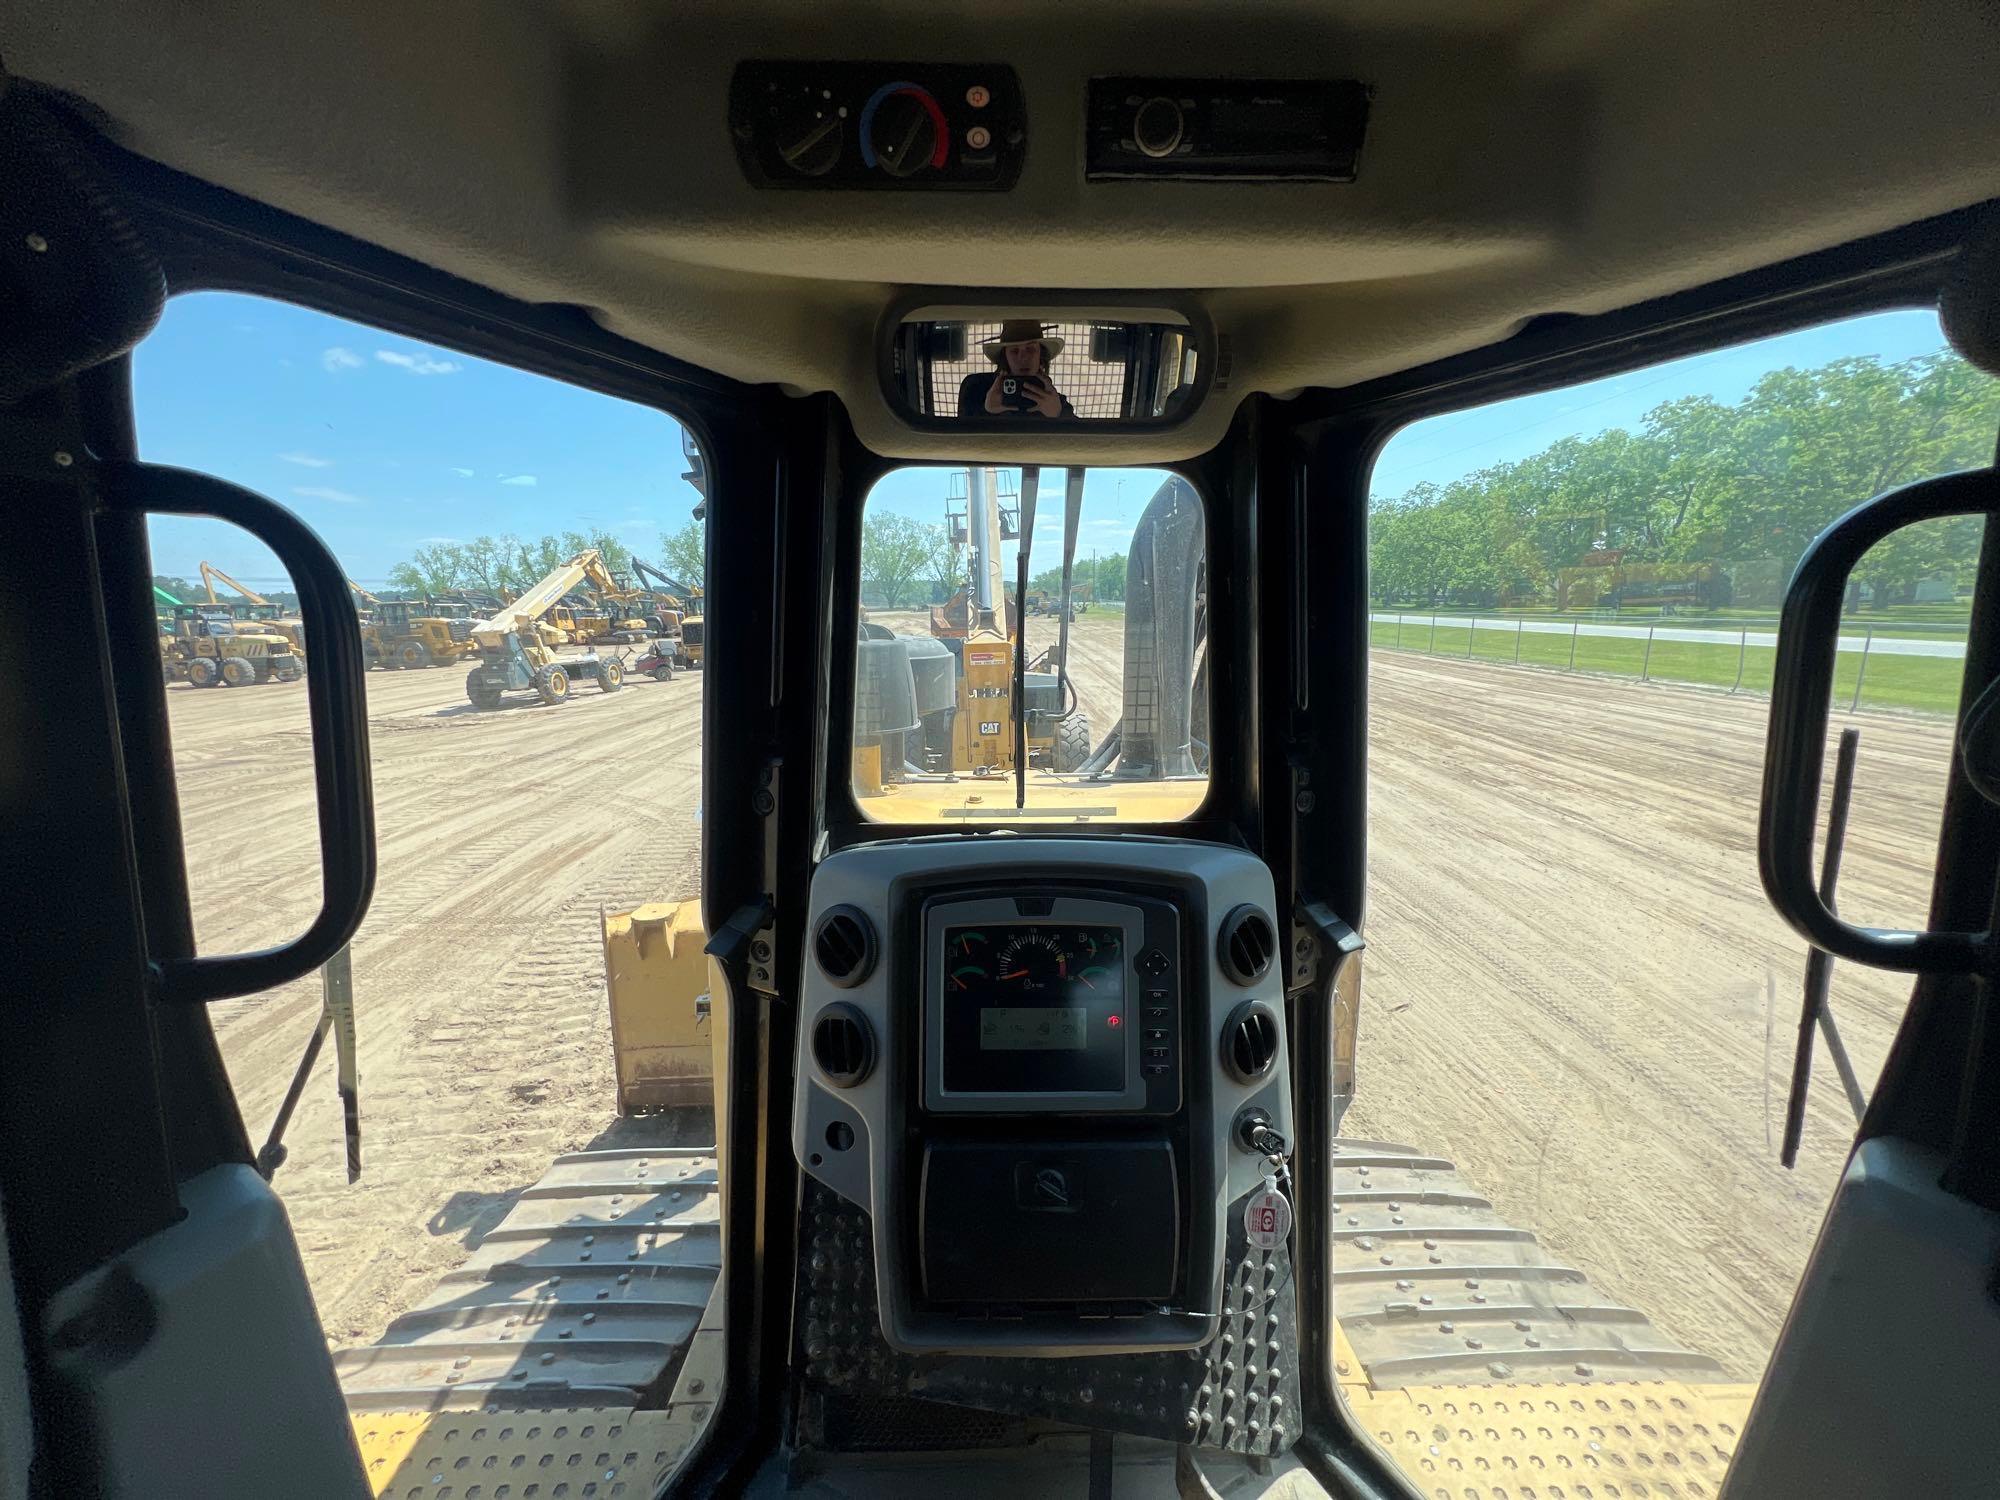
[{"x": 1267, "y": 1217}]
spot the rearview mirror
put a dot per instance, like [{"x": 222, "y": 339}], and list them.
[{"x": 959, "y": 368}]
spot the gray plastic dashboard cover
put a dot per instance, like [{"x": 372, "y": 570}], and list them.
[{"x": 867, "y": 1170}]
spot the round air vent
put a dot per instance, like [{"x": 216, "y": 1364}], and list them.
[
  {"x": 1246, "y": 945},
  {"x": 843, "y": 1045},
  {"x": 844, "y": 946},
  {"x": 1249, "y": 1041}
]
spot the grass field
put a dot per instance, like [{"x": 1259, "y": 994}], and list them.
[
  {"x": 1930, "y": 684},
  {"x": 1940, "y": 621}
]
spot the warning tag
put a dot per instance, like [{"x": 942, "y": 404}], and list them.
[{"x": 1267, "y": 1218}]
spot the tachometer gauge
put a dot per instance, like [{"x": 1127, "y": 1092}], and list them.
[{"x": 1034, "y": 960}]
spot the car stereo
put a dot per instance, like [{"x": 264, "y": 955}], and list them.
[{"x": 1071, "y": 1010}]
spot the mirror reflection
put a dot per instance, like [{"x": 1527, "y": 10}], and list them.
[{"x": 1052, "y": 368}]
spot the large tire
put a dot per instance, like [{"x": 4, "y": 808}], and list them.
[
  {"x": 483, "y": 694},
  {"x": 610, "y": 675},
  {"x": 552, "y": 683},
  {"x": 202, "y": 671},
  {"x": 237, "y": 671},
  {"x": 1072, "y": 746},
  {"x": 664, "y": 672},
  {"x": 413, "y": 654},
  {"x": 292, "y": 670}
]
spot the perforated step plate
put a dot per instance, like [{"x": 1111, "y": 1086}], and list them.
[
  {"x": 1432, "y": 1285},
  {"x": 585, "y": 1295},
  {"x": 1239, "y": 1394}
]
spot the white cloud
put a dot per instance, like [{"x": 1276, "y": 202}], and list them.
[
  {"x": 525, "y": 480},
  {"x": 337, "y": 359},
  {"x": 462, "y": 473},
  {"x": 418, "y": 364},
  {"x": 306, "y": 460},
  {"x": 320, "y": 492}
]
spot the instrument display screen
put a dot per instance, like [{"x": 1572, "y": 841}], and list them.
[{"x": 1034, "y": 1007}]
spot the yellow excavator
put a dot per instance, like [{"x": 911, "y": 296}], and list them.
[
  {"x": 269, "y": 618},
  {"x": 517, "y": 647}
]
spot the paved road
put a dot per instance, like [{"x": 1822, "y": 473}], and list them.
[{"x": 1877, "y": 645}]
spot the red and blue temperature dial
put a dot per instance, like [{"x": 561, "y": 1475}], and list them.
[{"x": 903, "y": 130}]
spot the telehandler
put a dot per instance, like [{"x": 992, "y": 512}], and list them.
[{"x": 518, "y": 649}]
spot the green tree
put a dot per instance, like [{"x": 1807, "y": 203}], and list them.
[
  {"x": 485, "y": 563},
  {"x": 1743, "y": 486},
  {"x": 684, "y": 554},
  {"x": 895, "y": 551},
  {"x": 1106, "y": 577},
  {"x": 432, "y": 569}
]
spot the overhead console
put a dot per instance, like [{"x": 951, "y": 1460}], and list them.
[{"x": 1027, "y": 1072}]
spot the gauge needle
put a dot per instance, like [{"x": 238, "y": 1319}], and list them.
[{"x": 1015, "y": 974}]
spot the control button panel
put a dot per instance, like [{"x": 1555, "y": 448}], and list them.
[{"x": 888, "y": 126}]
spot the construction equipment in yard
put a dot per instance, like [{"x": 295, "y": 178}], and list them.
[
  {"x": 1048, "y": 601},
  {"x": 210, "y": 647},
  {"x": 261, "y": 612},
  {"x": 418, "y": 633},
  {"x": 675, "y": 605},
  {"x": 656, "y": 973},
  {"x": 517, "y": 647}
]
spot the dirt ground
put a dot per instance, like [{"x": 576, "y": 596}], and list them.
[
  {"x": 1574, "y": 985},
  {"x": 485, "y": 1047}
]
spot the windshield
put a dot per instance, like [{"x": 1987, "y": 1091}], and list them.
[{"x": 1032, "y": 647}]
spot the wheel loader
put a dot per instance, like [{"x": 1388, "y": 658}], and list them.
[
  {"x": 210, "y": 647},
  {"x": 519, "y": 649},
  {"x": 411, "y": 633}
]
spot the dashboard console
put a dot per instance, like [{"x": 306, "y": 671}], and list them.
[{"x": 1021, "y": 1068}]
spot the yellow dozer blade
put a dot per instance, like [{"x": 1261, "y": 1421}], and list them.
[{"x": 657, "y": 974}]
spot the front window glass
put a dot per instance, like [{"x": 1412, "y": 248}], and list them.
[{"x": 1111, "y": 633}]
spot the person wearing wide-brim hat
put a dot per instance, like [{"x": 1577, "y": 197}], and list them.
[{"x": 1022, "y": 351}]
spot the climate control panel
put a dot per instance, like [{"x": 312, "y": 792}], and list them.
[{"x": 885, "y": 126}]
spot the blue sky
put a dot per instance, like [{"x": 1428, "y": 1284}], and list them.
[{"x": 384, "y": 444}]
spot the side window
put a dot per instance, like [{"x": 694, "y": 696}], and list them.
[
  {"x": 530, "y": 1026},
  {"x": 1561, "y": 1208}
]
